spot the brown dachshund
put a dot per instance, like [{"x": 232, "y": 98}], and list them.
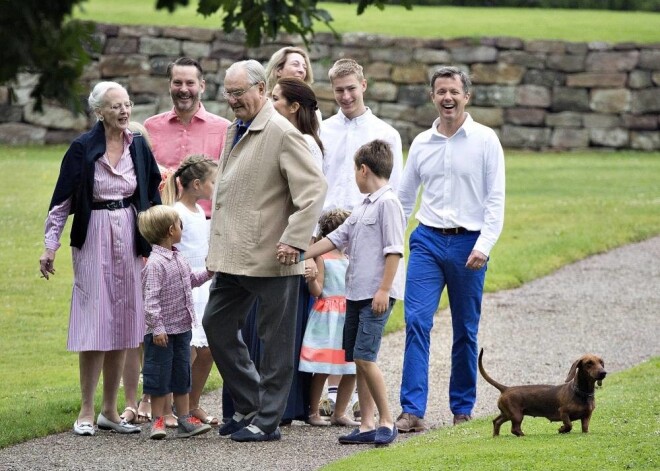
[{"x": 570, "y": 401}]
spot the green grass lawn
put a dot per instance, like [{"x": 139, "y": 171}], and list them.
[
  {"x": 421, "y": 21},
  {"x": 560, "y": 208},
  {"x": 623, "y": 434}
]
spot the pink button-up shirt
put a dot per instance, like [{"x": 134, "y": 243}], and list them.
[
  {"x": 172, "y": 141},
  {"x": 167, "y": 283}
]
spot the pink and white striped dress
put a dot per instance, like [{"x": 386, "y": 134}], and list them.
[{"x": 106, "y": 305}]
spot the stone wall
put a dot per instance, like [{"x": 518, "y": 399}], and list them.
[{"x": 535, "y": 94}]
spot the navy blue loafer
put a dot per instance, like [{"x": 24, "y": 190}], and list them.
[
  {"x": 358, "y": 438},
  {"x": 385, "y": 435},
  {"x": 233, "y": 426},
  {"x": 247, "y": 435}
]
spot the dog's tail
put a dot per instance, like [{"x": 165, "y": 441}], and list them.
[{"x": 499, "y": 386}]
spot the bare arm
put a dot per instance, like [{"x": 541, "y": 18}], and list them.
[
  {"x": 315, "y": 284},
  {"x": 381, "y": 299},
  {"x": 319, "y": 248}
]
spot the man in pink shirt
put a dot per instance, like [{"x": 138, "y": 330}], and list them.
[{"x": 187, "y": 128}]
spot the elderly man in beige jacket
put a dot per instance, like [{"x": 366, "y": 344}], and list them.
[{"x": 268, "y": 197}]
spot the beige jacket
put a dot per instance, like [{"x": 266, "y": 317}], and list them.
[{"x": 268, "y": 190}]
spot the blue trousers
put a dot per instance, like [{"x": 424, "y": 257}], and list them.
[{"x": 436, "y": 261}]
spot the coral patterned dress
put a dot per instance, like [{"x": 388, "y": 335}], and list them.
[{"x": 321, "y": 350}]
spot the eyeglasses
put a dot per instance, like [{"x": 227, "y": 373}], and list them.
[
  {"x": 236, "y": 94},
  {"x": 118, "y": 106}
]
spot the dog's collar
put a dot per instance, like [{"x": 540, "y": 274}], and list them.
[{"x": 580, "y": 393}]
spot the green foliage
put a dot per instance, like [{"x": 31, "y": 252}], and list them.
[
  {"x": 36, "y": 37},
  {"x": 623, "y": 434}
]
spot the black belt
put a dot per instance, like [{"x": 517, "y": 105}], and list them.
[
  {"x": 449, "y": 230},
  {"x": 112, "y": 205}
]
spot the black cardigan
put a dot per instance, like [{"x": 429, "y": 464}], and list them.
[{"x": 76, "y": 180}]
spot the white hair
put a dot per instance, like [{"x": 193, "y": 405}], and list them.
[
  {"x": 255, "y": 71},
  {"x": 97, "y": 96}
]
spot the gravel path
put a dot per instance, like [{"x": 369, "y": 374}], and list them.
[{"x": 607, "y": 304}]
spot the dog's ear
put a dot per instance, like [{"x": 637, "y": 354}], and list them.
[{"x": 573, "y": 370}]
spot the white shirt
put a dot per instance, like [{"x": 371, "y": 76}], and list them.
[
  {"x": 462, "y": 178},
  {"x": 342, "y": 137},
  {"x": 315, "y": 150},
  {"x": 375, "y": 229}
]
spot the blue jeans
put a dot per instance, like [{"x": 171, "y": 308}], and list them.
[
  {"x": 167, "y": 369},
  {"x": 436, "y": 261}
]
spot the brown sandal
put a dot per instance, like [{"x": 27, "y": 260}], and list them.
[
  {"x": 132, "y": 419},
  {"x": 204, "y": 417}
]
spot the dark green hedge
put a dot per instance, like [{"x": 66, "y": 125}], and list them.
[{"x": 632, "y": 5}]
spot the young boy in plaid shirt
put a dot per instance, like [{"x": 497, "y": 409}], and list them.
[{"x": 167, "y": 283}]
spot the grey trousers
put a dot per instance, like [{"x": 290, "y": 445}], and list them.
[{"x": 230, "y": 299}]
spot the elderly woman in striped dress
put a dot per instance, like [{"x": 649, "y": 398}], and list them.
[{"x": 107, "y": 175}]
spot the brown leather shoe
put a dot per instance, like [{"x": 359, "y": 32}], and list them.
[
  {"x": 410, "y": 423},
  {"x": 461, "y": 419}
]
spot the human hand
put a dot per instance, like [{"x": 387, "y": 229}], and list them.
[
  {"x": 381, "y": 302},
  {"x": 160, "y": 340},
  {"x": 311, "y": 270},
  {"x": 47, "y": 263},
  {"x": 287, "y": 255},
  {"x": 476, "y": 260}
]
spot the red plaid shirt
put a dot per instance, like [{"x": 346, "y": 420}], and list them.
[{"x": 167, "y": 283}]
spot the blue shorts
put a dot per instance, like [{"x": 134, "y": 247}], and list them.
[
  {"x": 167, "y": 369},
  {"x": 363, "y": 330}
]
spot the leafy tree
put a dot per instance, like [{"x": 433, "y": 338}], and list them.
[{"x": 40, "y": 37}]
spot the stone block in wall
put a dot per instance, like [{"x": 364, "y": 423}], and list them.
[
  {"x": 491, "y": 117},
  {"x": 377, "y": 71},
  {"x": 132, "y": 64},
  {"x": 209, "y": 66},
  {"x": 524, "y": 116},
  {"x": 4, "y": 95},
  {"x": 153, "y": 84},
  {"x": 361, "y": 55},
  {"x": 470, "y": 55},
  {"x": 106, "y": 30},
  {"x": 615, "y": 100},
  {"x": 221, "y": 49},
  {"x": 18, "y": 134},
  {"x": 320, "y": 70},
  {"x": 394, "y": 55},
  {"x": 317, "y": 51},
  {"x": 494, "y": 95},
  {"x": 649, "y": 59},
  {"x": 396, "y": 111},
  {"x": 564, "y": 119},
  {"x": 409, "y": 74},
  {"x": 327, "y": 108},
  {"x": 160, "y": 46},
  {"x": 566, "y": 63},
  {"x": 570, "y": 99},
  {"x": 597, "y": 120},
  {"x": 139, "y": 31},
  {"x": 596, "y": 79},
  {"x": 424, "y": 115},
  {"x": 414, "y": 95},
  {"x": 609, "y": 137},
  {"x": 509, "y": 43},
  {"x": 524, "y": 137},
  {"x": 646, "y": 122},
  {"x": 533, "y": 96},
  {"x": 323, "y": 91},
  {"x": 142, "y": 112},
  {"x": 544, "y": 78},
  {"x": 382, "y": 91},
  {"x": 203, "y": 35},
  {"x": 54, "y": 117},
  {"x": 556, "y": 47},
  {"x": 577, "y": 48},
  {"x": 645, "y": 101},
  {"x": 500, "y": 73},
  {"x": 237, "y": 36},
  {"x": 612, "y": 61},
  {"x": 568, "y": 138},
  {"x": 60, "y": 136},
  {"x": 91, "y": 72},
  {"x": 645, "y": 140},
  {"x": 263, "y": 53},
  {"x": 196, "y": 50},
  {"x": 431, "y": 56},
  {"x": 655, "y": 77},
  {"x": 526, "y": 59},
  {"x": 120, "y": 46},
  {"x": 368, "y": 40},
  {"x": 639, "y": 79},
  {"x": 10, "y": 113},
  {"x": 159, "y": 64},
  {"x": 599, "y": 46}
]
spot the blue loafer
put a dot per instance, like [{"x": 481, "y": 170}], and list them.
[
  {"x": 385, "y": 435},
  {"x": 233, "y": 426},
  {"x": 247, "y": 435},
  {"x": 358, "y": 438}
]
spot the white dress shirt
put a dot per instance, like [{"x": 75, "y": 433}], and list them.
[
  {"x": 462, "y": 178},
  {"x": 342, "y": 137}
]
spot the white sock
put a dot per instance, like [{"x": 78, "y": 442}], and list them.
[
  {"x": 332, "y": 393},
  {"x": 255, "y": 429}
]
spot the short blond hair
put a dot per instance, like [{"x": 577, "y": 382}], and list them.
[
  {"x": 154, "y": 223},
  {"x": 344, "y": 67}
]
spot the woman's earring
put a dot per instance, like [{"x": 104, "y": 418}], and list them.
[{"x": 100, "y": 118}]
